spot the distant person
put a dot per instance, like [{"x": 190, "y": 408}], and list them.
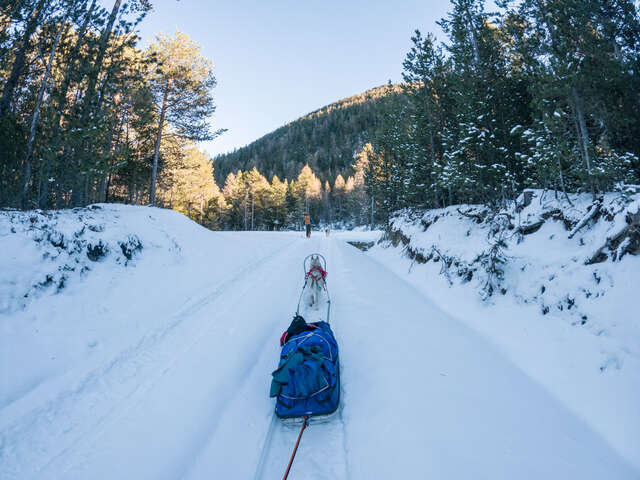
[{"x": 307, "y": 223}]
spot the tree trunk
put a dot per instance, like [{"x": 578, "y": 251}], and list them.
[
  {"x": 245, "y": 212},
  {"x": 58, "y": 192},
  {"x": 36, "y": 112},
  {"x": 617, "y": 52},
  {"x": 102, "y": 189},
  {"x": 62, "y": 98},
  {"x": 89, "y": 103},
  {"x": 19, "y": 62},
  {"x": 72, "y": 60},
  {"x": 562, "y": 185},
  {"x": 113, "y": 142},
  {"x": 583, "y": 135},
  {"x": 88, "y": 182},
  {"x": 131, "y": 184},
  {"x": 106, "y": 190},
  {"x": 474, "y": 40},
  {"x": 154, "y": 172},
  {"x": 93, "y": 76}
]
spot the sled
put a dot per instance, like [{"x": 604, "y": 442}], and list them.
[
  {"x": 309, "y": 361},
  {"x": 314, "y": 303}
]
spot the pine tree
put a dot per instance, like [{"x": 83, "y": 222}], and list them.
[
  {"x": 339, "y": 194},
  {"x": 192, "y": 185},
  {"x": 425, "y": 73},
  {"x": 478, "y": 163},
  {"x": 326, "y": 202},
  {"x": 584, "y": 49},
  {"x": 361, "y": 197},
  {"x": 277, "y": 204},
  {"x": 389, "y": 171},
  {"x": 308, "y": 193},
  {"x": 182, "y": 82}
]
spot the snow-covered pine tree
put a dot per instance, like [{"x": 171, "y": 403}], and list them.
[
  {"x": 425, "y": 71},
  {"x": 389, "y": 170},
  {"x": 479, "y": 159},
  {"x": 583, "y": 52}
]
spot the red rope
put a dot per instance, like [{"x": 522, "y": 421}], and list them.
[{"x": 295, "y": 449}]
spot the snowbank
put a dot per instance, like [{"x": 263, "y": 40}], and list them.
[
  {"x": 46, "y": 251},
  {"x": 82, "y": 288},
  {"x": 553, "y": 282}
]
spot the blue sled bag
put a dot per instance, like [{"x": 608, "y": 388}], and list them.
[{"x": 307, "y": 380}]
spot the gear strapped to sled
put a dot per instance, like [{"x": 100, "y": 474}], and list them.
[{"x": 306, "y": 383}]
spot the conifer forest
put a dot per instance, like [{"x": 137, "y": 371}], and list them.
[{"x": 532, "y": 94}]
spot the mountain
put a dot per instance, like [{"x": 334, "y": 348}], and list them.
[{"x": 326, "y": 139}]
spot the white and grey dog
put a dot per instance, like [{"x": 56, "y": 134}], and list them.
[{"x": 314, "y": 283}]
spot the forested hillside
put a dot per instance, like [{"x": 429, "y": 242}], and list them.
[
  {"x": 325, "y": 139},
  {"x": 535, "y": 94}
]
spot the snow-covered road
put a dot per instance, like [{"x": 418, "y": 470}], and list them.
[{"x": 422, "y": 395}]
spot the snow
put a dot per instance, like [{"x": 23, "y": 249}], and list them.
[
  {"x": 571, "y": 327},
  {"x": 159, "y": 366}
]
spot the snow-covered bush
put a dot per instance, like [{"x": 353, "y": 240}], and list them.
[
  {"x": 70, "y": 244},
  {"x": 537, "y": 247}
]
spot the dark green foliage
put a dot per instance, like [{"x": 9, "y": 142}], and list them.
[
  {"x": 12, "y": 151},
  {"x": 391, "y": 168},
  {"x": 542, "y": 94}
]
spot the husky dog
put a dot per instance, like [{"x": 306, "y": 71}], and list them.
[{"x": 314, "y": 283}]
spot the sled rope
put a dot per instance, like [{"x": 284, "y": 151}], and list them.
[{"x": 295, "y": 449}]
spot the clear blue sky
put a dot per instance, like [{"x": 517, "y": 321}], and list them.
[{"x": 277, "y": 60}]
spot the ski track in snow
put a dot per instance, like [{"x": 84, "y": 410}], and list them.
[
  {"x": 322, "y": 453},
  {"x": 422, "y": 396}
]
